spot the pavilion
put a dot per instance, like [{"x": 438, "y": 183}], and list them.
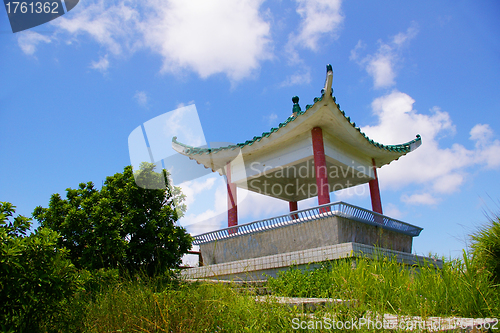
[{"x": 312, "y": 153}]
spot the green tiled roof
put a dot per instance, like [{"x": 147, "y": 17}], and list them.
[{"x": 401, "y": 148}]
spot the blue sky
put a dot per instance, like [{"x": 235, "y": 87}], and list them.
[{"x": 72, "y": 90}]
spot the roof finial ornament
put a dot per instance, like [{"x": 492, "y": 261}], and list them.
[
  {"x": 296, "y": 106},
  {"x": 329, "y": 80}
]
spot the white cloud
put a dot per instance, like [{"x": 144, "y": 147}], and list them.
[
  {"x": 142, "y": 98},
  {"x": 419, "y": 199},
  {"x": 212, "y": 218},
  {"x": 381, "y": 65},
  {"x": 301, "y": 77},
  {"x": 308, "y": 203},
  {"x": 393, "y": 211},
  {"x": 403, "y": 37},
  {"x": 28, "y": 40},
  {"x": 224, "y": 36},
  {"x": 438, "y": 170},
  {"x": 205, "y": 223},
  {"x": 192, "y": 188},
  {"x": 481, "y": 133},
  {"x": 488, "y": 148},
  {"x": 113, "y": 26},
  {"x": 181, "y": 104},
  {"x": 490, "y": 155},
  {"x": 449, "y": 183},
  {"x": 253, "y": 206},
  {"x": 380, "y": 68},
  {"x": 181, "y": 121},
  {"x": 358, "y": 191},
  {"x": 208, "y": 37},
  {"x": 319, "y": 18},
  {"x": 271, "y": 119},
  {"x": 101, "y": 65}
]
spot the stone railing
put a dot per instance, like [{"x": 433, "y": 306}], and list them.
[{"x": 340, "y": 209}]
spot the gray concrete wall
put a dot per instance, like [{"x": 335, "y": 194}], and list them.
[
  {"x": 263, "y": 267},
  {"x": 302, "y": 236},
  {"x": 362, "y": 233}
]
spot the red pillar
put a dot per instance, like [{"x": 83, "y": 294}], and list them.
[
  {"x": 232, "y": 209},
  {"x": 375, "y": 191},
  {"x": 293, "y": 207},
  {"x": 320, "y": 166}
]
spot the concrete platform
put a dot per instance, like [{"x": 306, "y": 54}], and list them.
[
  {"x": 261, "y": 268},
  {"x": 320, "y": 226}
]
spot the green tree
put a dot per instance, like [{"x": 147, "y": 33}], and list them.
[
  {"x": 123, "y": 225},
  {"x": 36, "y": 277}
]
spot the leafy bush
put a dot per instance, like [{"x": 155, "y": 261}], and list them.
[
  {"x": 36, "y": 278},
  {"x": 486, "y": 248}
]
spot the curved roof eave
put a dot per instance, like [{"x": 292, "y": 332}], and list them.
[{"x": 395, "y": 151}]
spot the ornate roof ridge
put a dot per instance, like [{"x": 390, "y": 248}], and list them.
[{"x": 297, "y": 112}]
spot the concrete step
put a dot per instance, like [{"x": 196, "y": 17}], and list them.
[
  {"x": 308, "y": 304},
  {"x": 254, "y": 287}
]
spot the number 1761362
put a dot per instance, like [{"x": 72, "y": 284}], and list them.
[{"x": 47, "y": 7}]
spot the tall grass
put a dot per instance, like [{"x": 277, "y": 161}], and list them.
[
  {"x": 465, "y": 287},
  {"x": 140, "y": 306},
  {"x": 388, "y": 287},
  {"x": 110, "y": 303},
  {"x": 486, "y": 248}
]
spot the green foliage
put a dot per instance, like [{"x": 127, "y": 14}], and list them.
[
  {"x": 36, "y": 278},
  {"x": 122, "y": 225},
  {"x": 486, "y": 248},
  {"x": 384, "y": 286},
  {"x": 144, "y": 306}
]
